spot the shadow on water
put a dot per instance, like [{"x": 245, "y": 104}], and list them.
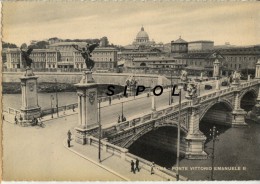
[
  {"x": 161, "y": 157},
  {"x": 206, "y": 126}
]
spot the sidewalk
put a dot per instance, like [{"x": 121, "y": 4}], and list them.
[{"x": 112, "y": 163}]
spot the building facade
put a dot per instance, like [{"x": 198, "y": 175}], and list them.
[
  {"x": 43, "y": 58},
  {"x": 161, "y": 65},
  {"x": 241, "y": 58},
  {"x": 63, "y": 55},
  {"x": 179, "y": 46},
  {"x": 200, "y": 45}
]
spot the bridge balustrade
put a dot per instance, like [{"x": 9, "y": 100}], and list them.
[
  {"x": 108, "y": 147},
  {"x": 13, "y": 111}
]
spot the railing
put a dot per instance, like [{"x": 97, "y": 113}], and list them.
[
  {"x": 123, "y": 154},
  {"x": 108, "y": 147},
  {"x": 158, "y": 170},
  {"x": 114, "y": 128},
  {"x": 13, "y": 111},
  {"x": 61, "y": 109}
]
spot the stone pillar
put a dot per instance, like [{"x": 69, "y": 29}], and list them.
[
  {"x": 238, "y": 114},
  {"x": 218, "y": 85},
  {"x": 30, "y": 108},
  {"x": 195, "y": 138},
  {"x": 248, "y": 77},
  {"x": 153, "y": 103},
  {"x": 87, "y": 103},
  {"x": 257, "y": 69},
  {"x": 216, "y": 73}
]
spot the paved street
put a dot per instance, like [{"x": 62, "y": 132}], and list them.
[{"x": 35, "y": 153}]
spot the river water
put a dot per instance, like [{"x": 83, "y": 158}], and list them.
[
  {"x": 237, "y": 147},
  {"x": 64, "y": 98}
]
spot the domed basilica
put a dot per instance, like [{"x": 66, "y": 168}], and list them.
[{"x": 142, "y": 38}]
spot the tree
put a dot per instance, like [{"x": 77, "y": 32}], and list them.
[
  {"x": 39, "y": 45},
  {"x": 8, "y": 45}
]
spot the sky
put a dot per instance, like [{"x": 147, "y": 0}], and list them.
[{"x": 234, "y": 22}]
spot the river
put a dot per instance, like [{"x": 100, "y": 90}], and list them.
[{"x": 64, "y": 98}]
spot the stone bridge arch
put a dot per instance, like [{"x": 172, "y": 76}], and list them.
[
  {"x": 206, "y": 108},
  {"x": 219, "y": 111},
  {"x": 247, "y": 98},
  {"x": 157, "y": 125}
]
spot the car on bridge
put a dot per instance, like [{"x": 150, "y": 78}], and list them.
[
  {"x": 208, "y": 87},
  {"x": 224, "y": 83}
]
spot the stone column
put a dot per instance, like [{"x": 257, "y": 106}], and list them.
[
  {"x": 257, "y": 69},
  {"x": 87, "y": 103},
  {"x": 30, "y": 108},
  {"x": 216, "y": 73},
  {"x": 238, "y": 114},
  {"x": 195, "y": 138},
  {"x": 218, "y": 85}
]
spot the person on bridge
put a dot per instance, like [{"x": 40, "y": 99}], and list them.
[
  {"x": 132, "y": 166},
  {"x": 69, "y": 138},
  {"x": 119, "y": 119},
  {"x": 15, "y": 120},
  {"x": 137, "y": 165},
  {"x": 152, "y": 168}
]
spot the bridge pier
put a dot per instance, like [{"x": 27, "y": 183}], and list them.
[
  {"x": 30, "y": 108},
  {"x": 87, "y": 103},
  {"x": 238, "y": 114},
  {"x": 195, "y": 138}
]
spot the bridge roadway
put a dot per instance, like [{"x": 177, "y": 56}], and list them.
[{"x": 142, "y": 104}]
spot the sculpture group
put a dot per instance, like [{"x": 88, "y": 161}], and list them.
[{"x": 86, "y": 54}]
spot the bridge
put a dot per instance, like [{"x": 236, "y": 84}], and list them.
[{"x": 221, "y": 106}]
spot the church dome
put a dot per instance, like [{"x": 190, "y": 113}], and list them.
[{"x": 142, "y": 34}]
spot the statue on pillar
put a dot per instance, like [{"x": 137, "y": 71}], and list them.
[
  {"x": 86, "y": 54},
  {"x": 26, "y": 60},
  {"x": 184, "y": 76},
  {"x": 236, "y": 78},
  {"x": 191, "y": 91},
  {"x": 131, "y": 84}
]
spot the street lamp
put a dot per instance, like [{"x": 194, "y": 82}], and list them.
[
  {"x": 99, "y": 136},
  {"x": 214, "y": 136},
  {"x": 170, "y": 95},
  {"x": 57, "y": 101},
  {"x": 52, "y": 98},
  {"x": 122, "y": 111},
  {"x": 180, "y": 87}
]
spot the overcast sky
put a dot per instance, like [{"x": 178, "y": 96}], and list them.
[{"x": 237, "y": 23}]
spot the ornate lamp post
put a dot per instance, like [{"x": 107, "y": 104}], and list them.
[
  {"x": 52, "y": 98},
  {"x": 214, "y": 136},
  {"x": 57, "y": 101},
  {"x": 100, "y": 130},
  {"x": 181, "y": 85}
]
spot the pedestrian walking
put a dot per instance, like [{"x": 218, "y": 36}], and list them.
[
  {"x": 152, "y": 168},
  {"x": 73, "y": 108},
  {"x": 21, "y": 118},
  {"x": 137, "y": 165},
  {"x": 3, "y": 117},
  {"x": 15, "y": 120},
  {"x": 69, "y": 138},
  {"x": 132, "y": 166},
  {"x": 119, "y": 119}
]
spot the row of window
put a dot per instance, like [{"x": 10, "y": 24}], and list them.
[{"x": 231, "y": 58}]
